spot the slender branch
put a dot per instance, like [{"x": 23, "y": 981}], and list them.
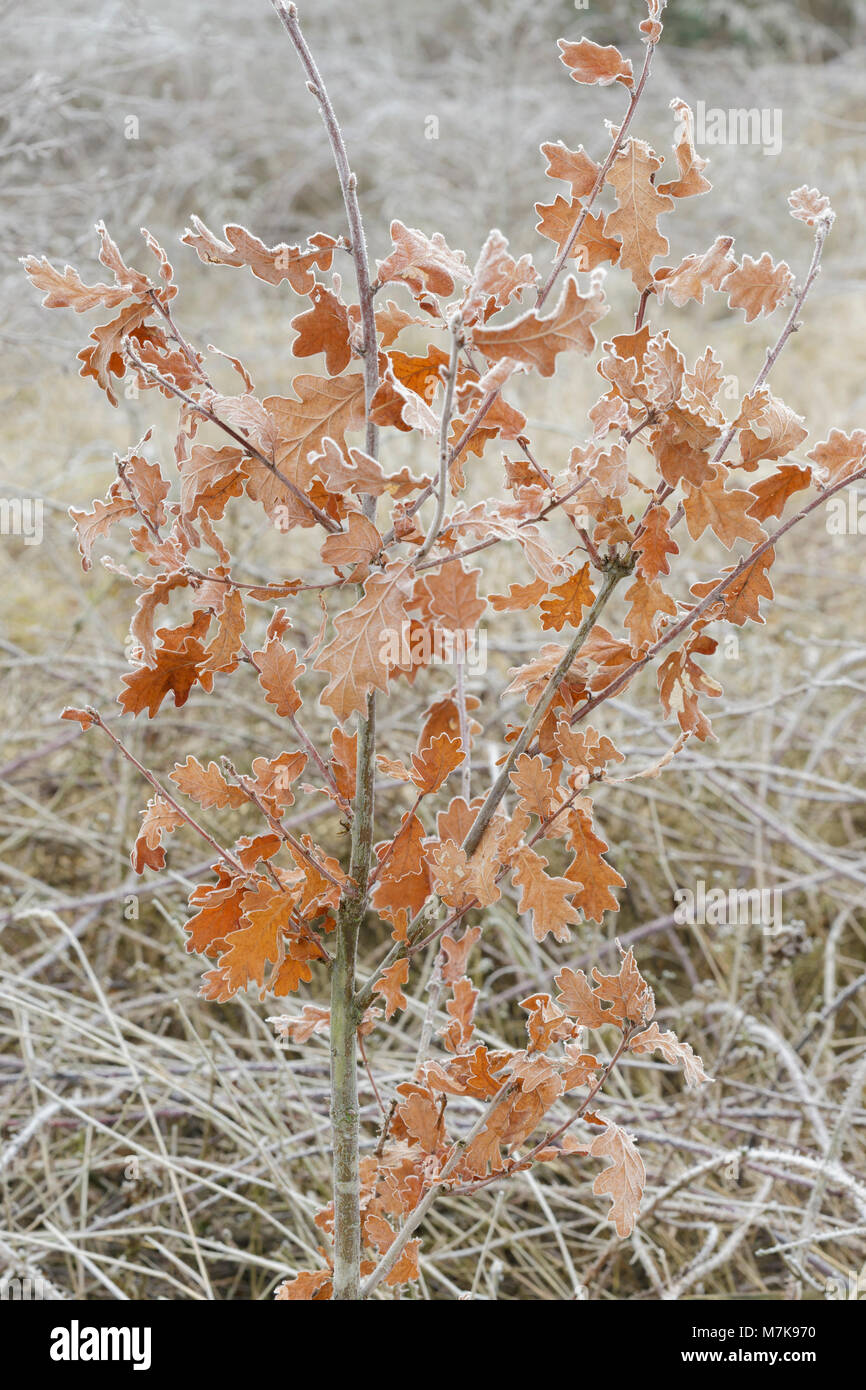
[
  {"x": 614, "y": 573},
  {"x": 522, "y": 1163},
  {"x": 246, "y": 444},
  {"x": 185, "y": 347},
  {"x": 463, "y": 723},
  {"x": 455, "y": 327},
  {"x": 791, "y": 326},
  {"x": 345, "y": 1110},
  {"x": 305, "y": 740},
  {"x": 456, "y": 450},
  {"x": 344, "y": 1038},
  {"x": 671, "y": 634},
  {"x": 288, "y": 14},
  {"x": 414, "y": 1219},
  {"x": 585, "y": 1103},
  {"x": 233, "y": 863},
  {"x": 414, "y": 932},
  {"x": 151, "y": 526},
  {"x": 415, "y": 939},
  {"x": 383, "y": 862},
  {"x": 248, "y": 788},
  {"x": 567, "y": 249},
  {"x": 497, "y": 540}
]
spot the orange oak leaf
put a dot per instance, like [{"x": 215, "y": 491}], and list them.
[
  {"x": 356, "y": 472},
  {"x": 591, "y": 247},
  {"x": 681, "y": 444},
  {"x": 740, "y": 600},
  {"x": 92, "y": 525},
  {"x": 586, "y": 748},
  {"x": 142, "y": 626},
  {"x": 639, "y": 206},
  {"x": 449, "y": 597},
  {"x": 209, "y": 478},
  {"x": 725, "y": 511},
  {"x": 274, "y": 778},
  {"x": 434, "y": 762},
  {"x": 390, "y": 986},
  {"x": 772, "y": 493},
  {"x": 535, "y": 784},
  {"x": 157, "y": 819},
  {"x": 537, "y": 341},
  {"x": 356, "y": 658},
  {"x": 579, "y": 1000},
  {"x": 655, "y": 543},
  {"x": 324, "y": 328},
  {"x": 419, "y": 374},
  {"x": 206, "y": 785},
  {"x": 649, "y": 604},
  {"x": 312, "y": 1019},
  {"x": 810, "y": 206},
  {"x": 423, "y": 263},
  {"x": 219, "y": 908},
  {"x": 566, "y": 602},
  {"x": 771, "y": 434},
  {"x": 222, "y": 653},
  {"x": 546, "y": 897},
  {"x": 556, "y": 220},
  {"x": 294, "y": 970},
  {"x": 146, "y": 482},
  {"x": 66, "y": 290},
  {"x": 403, "y": 881},
  {"x": 308, "y": 1285},
  {"x": 353, "y": 549},
  {"x": 105, "y": 359},
  {"x": 652, "y": 1039},
  {"x": 664, "y": 369},
  {"x": 179, "y": 665},
  {"x": 266, "y": 912},
  {"x": 457, "y": 1034},
  {"x": 343, "y": 759},
  {"x": 325, "y": 407},
  {"x": 839, "y": 455},
  {"x": 279, "y": 669},
  {"x": 627, "y": 993},
  {"x": 519, "y": 597},
  {"x": 399, "y": 406},
  {"x": 592, "y": 878},
  {"x": 758, "y": 287},
  {"x": 681, "y": 680},
  {"x": 391, "y": 320},
  {"x": 591, "y": 63},
  {"x": 690, "y": 164},
  {"x": 571, "y": 166},
  {"x": 455, "y": 954},
  {"x": 496, "y": 279},
  {"x": 78, "y": 716},
  {"x": 623, "y": 1179},
  {"x": 697, "y": 273},
  {"x": 273, "y": 264}
]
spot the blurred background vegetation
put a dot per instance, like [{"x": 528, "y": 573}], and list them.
[{"x": 154, "y": 1146}]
